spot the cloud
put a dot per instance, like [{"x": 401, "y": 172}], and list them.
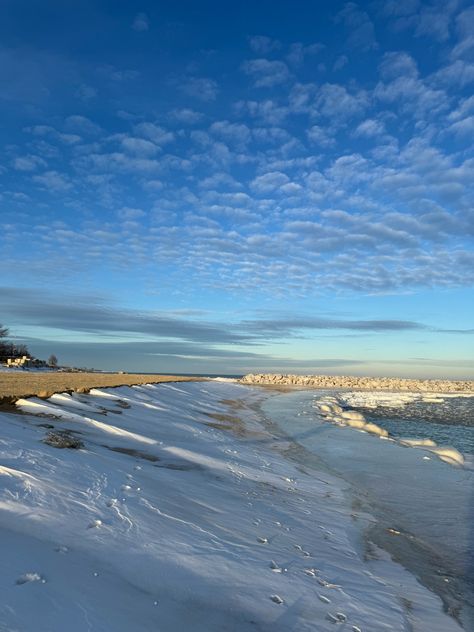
[
  {"x": 335, "y": 102},
  {"x": 28, "y": 163},
  {"x": 359, "y": 25},
  {"x": 269, "y": 182},
  {"x": 82, "y": 125},
  {"x": 117, "y": 74},
  {"x": 154, "y": 133},
  {"x": 127, "y": 213},
  {"x": 320, "y": 136},
  {"x": 141, "y": 22},
  {"x": 340, "y": 62},
  {"x": 426, "y": 19},
  {"x": 463, "y": 128},
  {"x": 285, "y": 327},
  {"x": 138, "y": 146},
  {"x": 266, "y": 73},
  {"x": 267, "y": 111},
  {"x": 464, "y": 49},
  {"x": 262, "y": 45},
  {"x": 186, "y": 116},
  {"x": 201, "y": 88},
  {"x": 396, "y": 64},
  {"x": 457, "y": 74},
  {"x": 298, "y": 52},
  {"x": 234, "y": 133},
  {"x": 81, "y": 314},
  {"x": 370, "y": 128},
  {"x": 95, "y": 322},
  {"x": 85, "y": 92},
  {"x": 402, "y": 86},
  {"x": 53, "y": 181}
]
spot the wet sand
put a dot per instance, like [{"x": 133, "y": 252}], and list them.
[{"x": 16, "y": 385}]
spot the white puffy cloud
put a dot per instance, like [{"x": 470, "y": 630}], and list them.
[
  {"x": 321, "y": 136},
  {"x": 266, "y": 73},
  {"x": 457, "y": 74},
  {"x": 28, "y": 163},
  {"x": 269, "y": 182},
  {"x": 139, "y": 146},
  {"x": 465, "y": 46},
  {"x": 359, "y": 26},
  {"x": 201, "y": 88},
  {"x": 340, "y": 62},
  {"x": 370, "y": 128},
  {"x": 268, "y": 111},
  {"x": 234, "y": 133},
  {"x": 186, "y": 116},
  {"x": 334, "y": 101},
  {"x": 262, "y": 45},
  {"x": 53, "y": 181},
  {"x": 82, "y": 125},
  {"x": 398, "y": 64},
  {"x": 298, "y": 52},
  {"x": 154, "y": 133}
]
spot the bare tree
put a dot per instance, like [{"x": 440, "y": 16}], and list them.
[
  {"x": 52, "y": 360},
  {"x": 3, "y": 344},
  {"x": 9, "y": 349}
]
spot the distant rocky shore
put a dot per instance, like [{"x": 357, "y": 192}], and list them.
[{"x": 365, "y": 383}]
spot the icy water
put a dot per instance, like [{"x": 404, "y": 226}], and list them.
[
  {"x": 424, "y": 508},
  {"x": 448, "y": 422}
]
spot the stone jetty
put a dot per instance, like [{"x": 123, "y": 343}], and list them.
[{"x": 360, "y": 383}]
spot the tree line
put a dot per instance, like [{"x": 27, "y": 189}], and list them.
[{"x": 9, "y": 349}]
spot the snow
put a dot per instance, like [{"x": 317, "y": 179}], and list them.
[{"x": 183, "y": 510}]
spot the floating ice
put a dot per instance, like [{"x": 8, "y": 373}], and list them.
[{"x": 449, "y": 455}]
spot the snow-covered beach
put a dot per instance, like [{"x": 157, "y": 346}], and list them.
[{"x": 184, "y": 506}]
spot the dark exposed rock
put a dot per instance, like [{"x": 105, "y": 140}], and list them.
[{"x": 63, "y": 439}]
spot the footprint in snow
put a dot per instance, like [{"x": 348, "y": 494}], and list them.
[
  {"x": 311, "y": 572},
  {"x": 277, "y": 599},
  {"x": 262, "y": 540},
  {"x": 111, "y": 502},
  {"x": 339, "y": 617},
  {"x": 277, "y": 569},
  {"x": 326, "y": 584},
  {"x": 30, "y": 577},
  {"x": 324, "y": 599},
  {"x": 95, "y": 524},
  {"x": 61, "y": 549}
]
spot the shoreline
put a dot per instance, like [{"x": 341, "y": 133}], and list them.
[
  {"x": 198, "y": 465},
  {"x": 415, "y": 554},
  {"x": 358, "y": 383},
  {"x": 14, "y": 386}
]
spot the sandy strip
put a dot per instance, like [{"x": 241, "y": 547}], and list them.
[{"x": 18, "y": 385}]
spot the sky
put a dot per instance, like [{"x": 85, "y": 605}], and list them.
[{"x": 233, "y": 187}]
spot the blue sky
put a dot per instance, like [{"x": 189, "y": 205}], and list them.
[{"x": 230, "y": 187}]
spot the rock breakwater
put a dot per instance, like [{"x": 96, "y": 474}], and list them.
[{"x": 362, "y": 383}]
